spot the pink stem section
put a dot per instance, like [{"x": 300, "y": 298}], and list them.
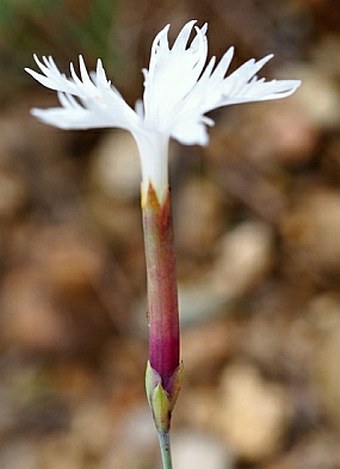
[{"x": 163, "y": 317}]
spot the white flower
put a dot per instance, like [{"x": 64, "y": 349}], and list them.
[{"x": 180, "y": 87}]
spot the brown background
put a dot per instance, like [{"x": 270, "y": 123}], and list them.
[{"x": 257, "y": 226}]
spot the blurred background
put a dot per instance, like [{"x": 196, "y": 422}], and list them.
[{"x": 257, "y": 227}]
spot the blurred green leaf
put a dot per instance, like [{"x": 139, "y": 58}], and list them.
[{"x": 62, "y": 28}]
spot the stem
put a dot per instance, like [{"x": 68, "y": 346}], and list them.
[{"x": 164, "y": 443}]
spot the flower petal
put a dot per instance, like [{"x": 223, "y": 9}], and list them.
[
  {"x": 181, "y": 41},
  {"x": 172, "y": 74},
  {"x": 213, "y": 90},
  {"x": 97, "y": 103},
  {"x": 51, "y": 77}
]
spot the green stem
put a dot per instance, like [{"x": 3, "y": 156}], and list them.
[{"x": 164, "y": 443}]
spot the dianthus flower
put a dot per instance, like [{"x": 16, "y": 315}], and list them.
[{"x": 180, "y": 87}]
